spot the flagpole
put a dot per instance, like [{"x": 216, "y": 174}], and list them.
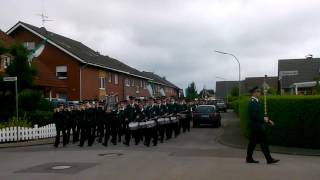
[{"x": 265, "y": 91}]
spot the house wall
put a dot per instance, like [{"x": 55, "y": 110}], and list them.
[
  {"x": 113, "y": 89},
  {"x": 52, "y": 57},
  {"x": 135, "y": 89}
]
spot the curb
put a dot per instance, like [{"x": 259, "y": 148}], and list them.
[
  {"x": 27, "y": 144},
  {"x": 274, "y": 148}
]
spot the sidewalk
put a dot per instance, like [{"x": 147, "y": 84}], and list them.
[
  {"x": 232, "y": 137},
  {"x": 28, "y": 143}
]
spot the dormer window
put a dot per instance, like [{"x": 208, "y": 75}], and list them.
[{"x": 29, "y": 45}]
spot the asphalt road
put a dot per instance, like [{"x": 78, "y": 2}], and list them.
[{"x": 194, "y": 155}]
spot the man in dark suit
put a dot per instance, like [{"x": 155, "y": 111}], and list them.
[
  {"x": 130, "y": 114},
  {"x": 257, "y": 122}
]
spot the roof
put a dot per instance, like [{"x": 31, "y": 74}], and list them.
[
  {"x": 159, "y": 80},
  {"x": 5, "y": 39},
  {"x": 79, "y": 51}
]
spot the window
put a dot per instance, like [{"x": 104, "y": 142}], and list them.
[
  {"x": 144, "y": 85},
  {"x": 5, "y": 62},
  {"x": 109, "y": 77},
  {"x": 116, "y": 79},
  {"x": 102, "y": 82},
  {"x": 141, "y": 83},
  {"x": 29, "y": 45},
  {"x": 127, "y": 82},
  {"x": 132, "y": 82},
  {"x": 61, "y": 72}
]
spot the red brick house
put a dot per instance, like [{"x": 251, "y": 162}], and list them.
[
  {"x": 161, "y": 86},
  {"x": 69, "y": 69}
]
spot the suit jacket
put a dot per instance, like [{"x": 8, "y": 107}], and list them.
[
  {"x": 130, "y": 112},
  {"x": 256, "y": 116}
]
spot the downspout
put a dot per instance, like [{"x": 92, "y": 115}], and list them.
[
  {"x": 124, "y": 87},
  {"x": 80, "y": 84}
]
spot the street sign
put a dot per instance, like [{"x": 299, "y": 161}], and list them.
[
  {"x": 10, "y": 78},
  {"x": 265, "y": 86},
  {"x": 288, "y": 73}
]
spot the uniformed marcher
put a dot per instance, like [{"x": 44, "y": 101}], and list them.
[
  {"x": 58, "y": 120},
  {"x": 130, "y": 116},
  {"x": 121, "y": 119},
  {"x": 107, "y": 125},
  {"x": 100, "y": 118},
  {"x": 92, "y": 123},
  {"x": 162, "y": 111},
  {"x": 257, "y": 123},
  {"x": 75, "y": 116},
  {"x": 83, "y": 124}
]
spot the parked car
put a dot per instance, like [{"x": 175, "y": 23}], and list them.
[
  {"x": 206, "y": 115},
  {"x": 57, "y": 101},
  {"x": 221, "y": 105}
]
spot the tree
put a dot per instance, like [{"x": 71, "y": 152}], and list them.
[
  {"x": 191, "y": 91},
  {"x": 20, "y": 67}
]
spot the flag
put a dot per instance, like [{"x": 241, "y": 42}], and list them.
[
  {"x": 162, "y": 92},
  {"x": 150, "y": 90}
]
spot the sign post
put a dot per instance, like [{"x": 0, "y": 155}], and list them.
[
  {"x": 265, "y": 91},
  {"x": 15, "y": 79}
]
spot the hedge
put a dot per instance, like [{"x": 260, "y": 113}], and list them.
[{"x": 297, "y": 120}]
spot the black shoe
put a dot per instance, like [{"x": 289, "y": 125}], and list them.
[
  {"x": 105, "y": 144},
  {"x": 252, "y": 161},
  {"x": 126, "y": 143},
  {"x": 273, "y": 161}
]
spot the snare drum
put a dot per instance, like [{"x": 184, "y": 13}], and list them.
[
  {"x": 167, "y": 120},
  {"x": 161, "y": 121},
  {"x": 151, "y": 124},
  {"x": 142, "y": 125},
  {"x": 133, "y": 125},
  {"x": 183, "y": 116},
  {"x": 173, "y": 119}
]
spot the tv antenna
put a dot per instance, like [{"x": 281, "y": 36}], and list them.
[{"x": 44, "y": 18}]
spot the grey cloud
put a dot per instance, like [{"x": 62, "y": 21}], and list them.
[{"x": 177, "y": 38}]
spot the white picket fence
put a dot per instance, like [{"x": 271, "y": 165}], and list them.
[{"x": 10, "y": 134}]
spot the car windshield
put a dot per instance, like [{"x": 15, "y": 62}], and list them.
[{"x": 205, "y": 109}]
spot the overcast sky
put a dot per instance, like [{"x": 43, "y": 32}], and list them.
[{"x": 177, "y": 38}]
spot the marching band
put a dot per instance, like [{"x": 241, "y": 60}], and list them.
[{"x": 147, "y": 121}]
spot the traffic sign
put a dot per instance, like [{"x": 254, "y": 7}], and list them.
[{"x": 10, "y": 78}]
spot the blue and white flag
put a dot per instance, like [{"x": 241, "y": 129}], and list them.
[{"x": 150, "y": 90}]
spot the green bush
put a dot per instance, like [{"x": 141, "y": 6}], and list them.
[
  {"x": 41, "y": 118},
  {"x": 297, "y": 120},
  {"x": 29, "y": 99},
  {"x": 22, "y": 122}
]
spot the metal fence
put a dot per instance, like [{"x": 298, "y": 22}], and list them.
[{"x": 23, "y": 133}]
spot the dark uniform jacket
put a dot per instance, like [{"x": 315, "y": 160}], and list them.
[
  {"x": 256, "y": 116},
  {"x": 130, "y": 112}
]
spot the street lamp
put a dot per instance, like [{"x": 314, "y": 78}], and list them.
[
  {"x": 238, "y": 64},
  {"x": 226, "y": 86}
]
